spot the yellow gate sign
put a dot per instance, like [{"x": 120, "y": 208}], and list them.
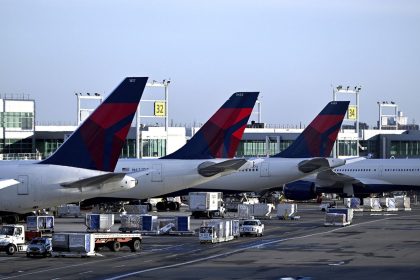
[
  {"x": 160, "y": 108},
  {"x": 352, "y": 112}
]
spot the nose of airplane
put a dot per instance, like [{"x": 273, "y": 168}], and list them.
[{"x": 335, "y": 162}]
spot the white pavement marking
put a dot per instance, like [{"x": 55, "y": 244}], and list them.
[
  {"x": 240, "y": 250},
  {"x": 88, "y": 263},
  {"x": 2, "y": 259}
]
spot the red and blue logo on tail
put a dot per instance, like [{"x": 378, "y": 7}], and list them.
[
  {"x": 318, "y": 138},
  {"x": 98, "y": 141},
  {"x": 219, "y": 137}
]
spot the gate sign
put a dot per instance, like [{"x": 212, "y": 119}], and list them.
[
  {"x": 160, "y": 108},
  {"x": 352, "y": 112}
]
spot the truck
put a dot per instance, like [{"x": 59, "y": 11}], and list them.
[
  {"x": 84, "y": 244},
  {"x": 13, "y": 237},
  {"x": 206, "y": 204},
  {"x": 251, "y": 227}
]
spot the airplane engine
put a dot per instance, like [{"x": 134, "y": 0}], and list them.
[{"x": 300, "y": 190}]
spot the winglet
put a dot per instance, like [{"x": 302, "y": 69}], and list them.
[
  {"x": 219, "y": 137},
  {"x": 98, "y": 141},
  {"x": 318, "y": 138}
]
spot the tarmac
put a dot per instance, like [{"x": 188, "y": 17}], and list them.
[{"x": 377, "y": 245}]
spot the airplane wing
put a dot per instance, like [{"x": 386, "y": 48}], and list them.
[
  {"x": 95, "y": 180},
  {"x": 209, "y": 168},
  {"x": 141, "y": 173},
  {"x": 4, "y": 183},
  {"x": 319, "y": 164}
]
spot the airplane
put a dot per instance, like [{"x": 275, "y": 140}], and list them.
[
  {"x": 82, "y": 167},
  {"x": 205, "y": 157},
  {"x": 359, "y": 179},
  {"x": 306, "y": 155}
]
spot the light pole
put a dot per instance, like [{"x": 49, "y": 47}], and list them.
[
  {"x": 161, "y": 110},
  {"x": 352, "y": 113}
]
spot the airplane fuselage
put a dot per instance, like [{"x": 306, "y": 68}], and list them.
[
  {"x": 179, "y": 179},
  {"x": 379, "y": 175},
  {"x": 40, "y": 186},
  {"x": 167, "y": 176}
]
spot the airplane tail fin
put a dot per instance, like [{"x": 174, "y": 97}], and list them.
[
  {"x": 98, "y": 141},
  {"x": 220, "y": 135},
  {"x": 318, "y": 138}
]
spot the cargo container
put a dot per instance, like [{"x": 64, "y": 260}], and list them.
[
  {"x": 40, "y": 223},
  {"x": 286, "y": 211},
  {"x": 352, "y": 202},
  {"x": 68, "y": 210},
  {"x": 348, "y": 216},
  {"x": 371, "y": 204},
  {"x": 99, "y": 222},
  {"x": 206, "y": 204},
  {"x": 131, "y": 222},
  {"x": 257, "y": 210},
  {"x": 136, "y": 209},
  {"x": 335, "y": 219},
  {"x": 388, "y": 203},
  {"x": 402, "y": 203}
]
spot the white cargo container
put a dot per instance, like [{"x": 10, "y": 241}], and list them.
[
  {"x": 348, "y": 216},
  {"x": 371, "y": 204},
  {"x": 286, "y": 211},
  {"x": 352, "y": 202},
  {"x": 258, "y": 210},
  {"x": 68, "y": 210},
  {"x": 206, "y": 204},
  {"x": 243, "y": 211},
  {"x": 215, "y": 231},
  {"x": 40, "y": 223},
  {"x": 99, "y": 222},
  {"x": 131, "y": 222},
  {"x": 335, "y": 219},
  {"x": 402, "y": 203},
  {"x": 388, "y": 203}
]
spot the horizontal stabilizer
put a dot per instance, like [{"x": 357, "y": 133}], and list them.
[
  {"x": 319, "y": 164},
  {"x": 4, "y": 183},
  {"x": 209, "y": 168},
  {"x": 95, "y": 180}
]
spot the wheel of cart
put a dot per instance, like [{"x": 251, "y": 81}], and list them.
[
  {"x": 115, "y": 246},
  {"x": 135, "y": 245}
]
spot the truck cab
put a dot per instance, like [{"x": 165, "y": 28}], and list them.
[{"x": 12, "y": 239}]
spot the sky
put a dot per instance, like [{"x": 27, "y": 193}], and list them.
[{"x": 294, "y": 52}]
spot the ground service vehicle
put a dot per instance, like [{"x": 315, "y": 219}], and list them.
[
  {"x": 251, "y": 227},
  {"x": 12, "y": 239},
  {"x": 206, "y": 204},
  {"x": 215, "y": 231},
  {"x": 88, "y": 244}
]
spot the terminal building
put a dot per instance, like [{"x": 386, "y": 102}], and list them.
[{"x": 21, "y": 138}]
